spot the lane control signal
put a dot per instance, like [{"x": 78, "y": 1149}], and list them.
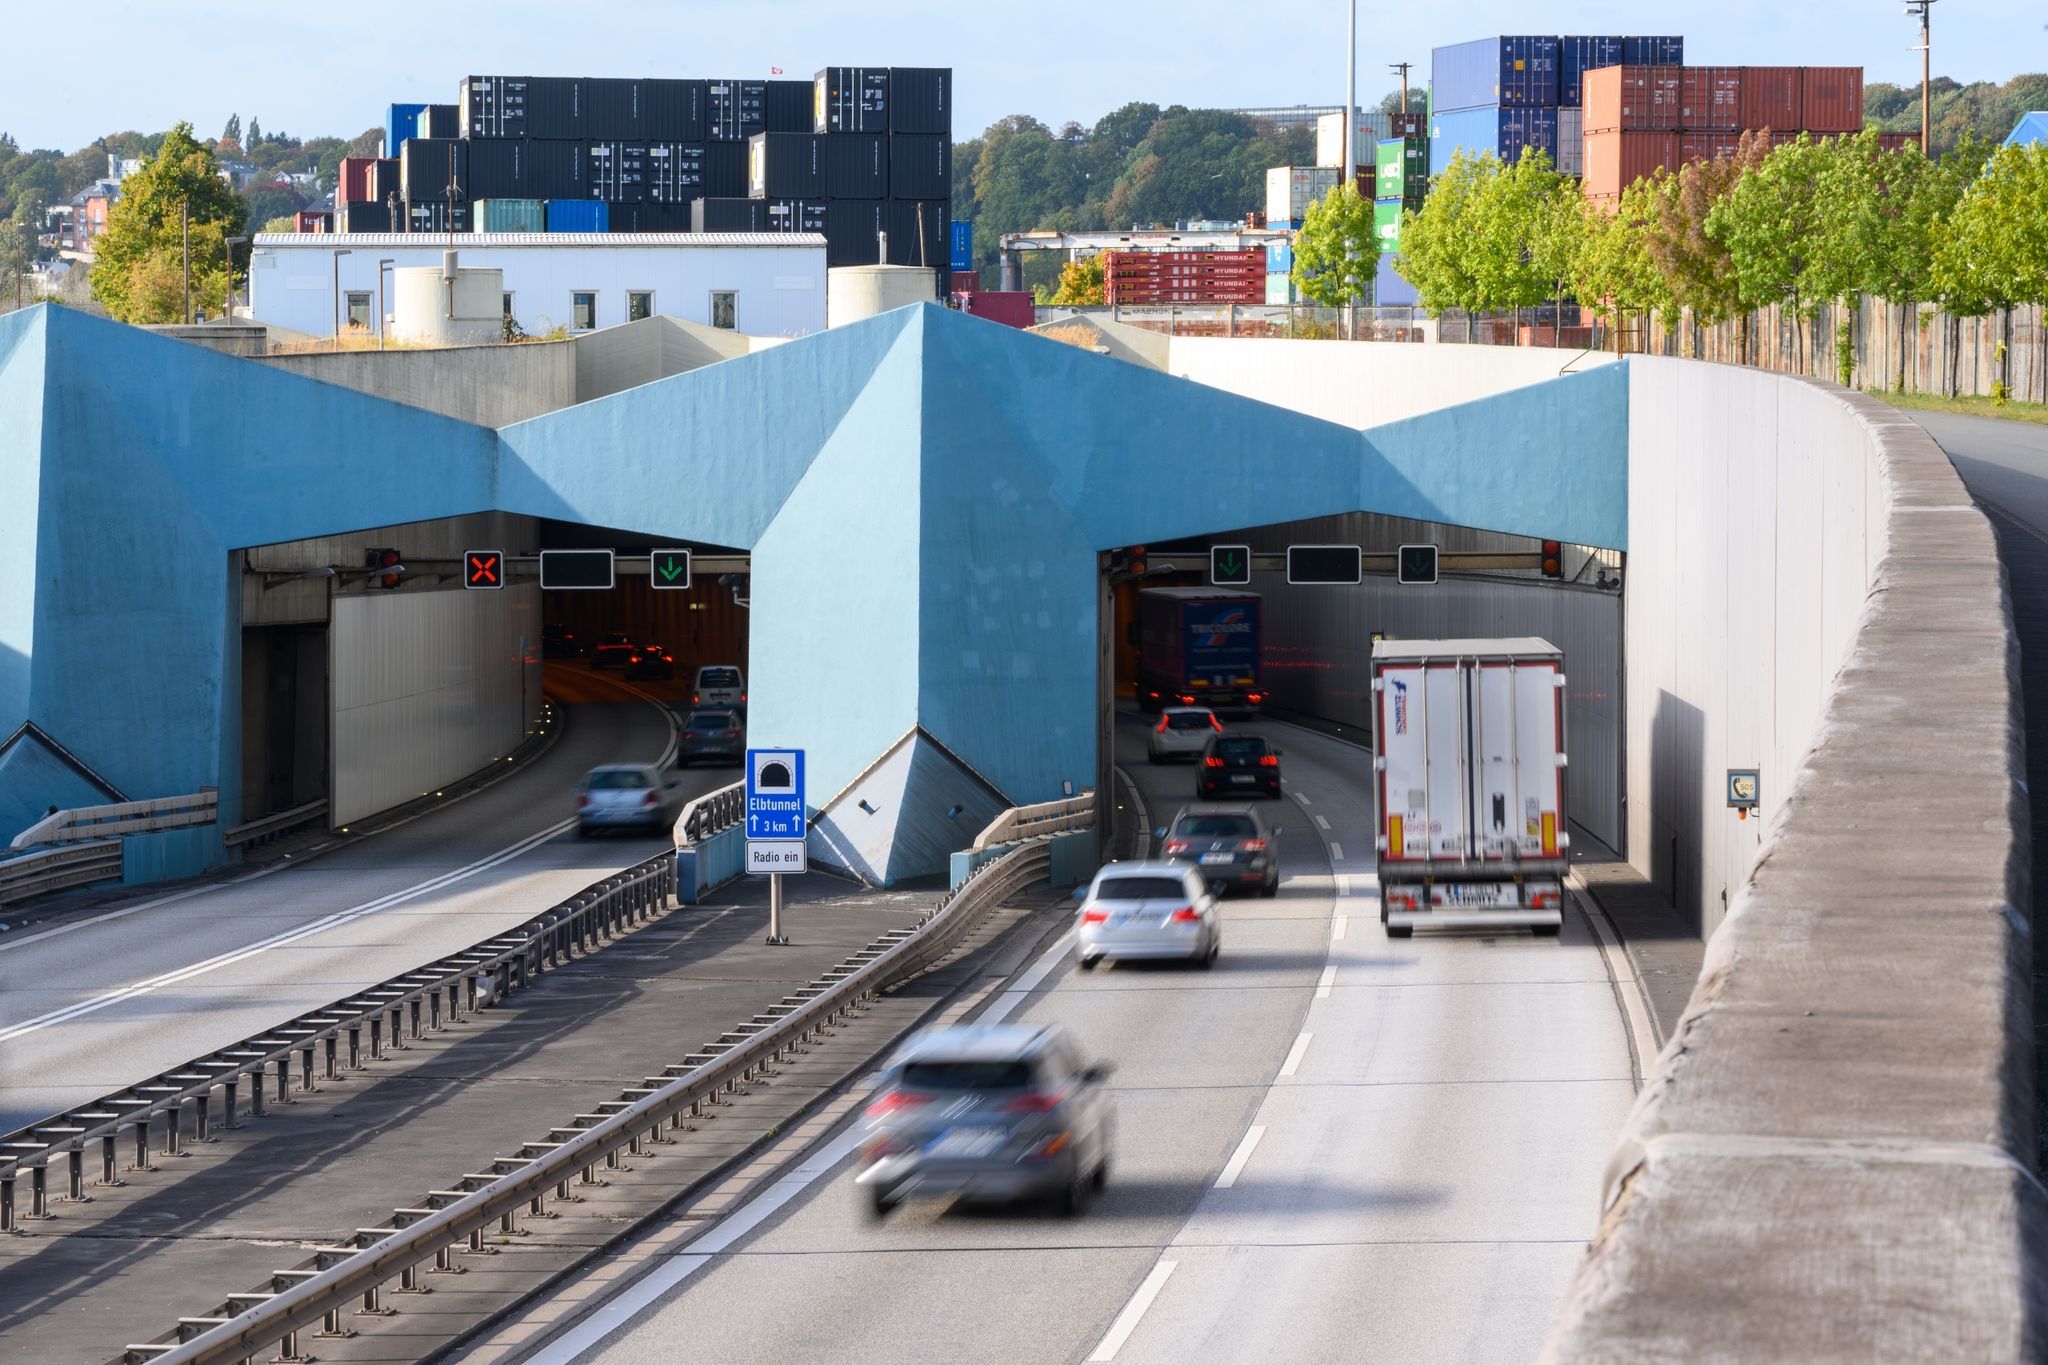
[
  {"x": 1230, "y": 566},
  {"x": 483, "y": 568},
  {"x": 1416, "y": 564},
  {"x": 669, "y": 569}
]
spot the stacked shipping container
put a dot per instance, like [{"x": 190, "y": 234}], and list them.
[{"x": 1164, "y": 277}]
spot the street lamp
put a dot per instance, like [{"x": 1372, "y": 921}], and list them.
[
  {"x": 1921, "y": 8},
  {"x": 339, "y": 253},
  {"x": 381, "y": 264},
  {"x": 227, "y": 305}
]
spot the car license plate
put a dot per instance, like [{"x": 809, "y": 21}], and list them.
[
  {"x": 1240, "y": 777},
  {"x": 1219, "y": 858},
  {"x": 1466, "y": 893},
  {"x": 966, "y": 1142}
]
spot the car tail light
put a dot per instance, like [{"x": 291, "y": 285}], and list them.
[
  {"x": 1253, "y": 845},
  {"x": 743, "y": 697},
  {"x": 1034, "y": 1103},
  {"x": 1177, "y": 846},
  {"x": 875, "y": 1149},
  {"x": 1161, "y": 727},
  {"x": 1255, "y": 698},
  {"x": 1187, "y": 914},
  {"x": 667, "y": 659},
  {"x": 583, "y": 801},
  {"x": 1186, "y": 700},
  {"x": 1212, "y": 762},
  {"x": 634, "y": 659},
  {"x": 653, "y": 799},
  {"x": 1053, "y": 1145},
  {"x": 1094, "y": 916},
  {"x": 695, "y": 699},
  {"x": 1217, "y": 725},
  {"x": 1269, "y": 761},
  {"x": 895, "y": 1101}
]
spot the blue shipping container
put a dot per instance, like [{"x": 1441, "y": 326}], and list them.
[
  {"x": 1504, "y": 132},
  {"x": 579, "y": 215},
  {"x": 962, "y": 253},
  {"x": 402, "y": 123},
  {"x": 1390, "y": 290},
  {"x": 1513, "y": 72},
  {"x": 1280, "y": 259},
  {"x": 1653, "y": 51},
  {"x": 1577, "y": 56}
]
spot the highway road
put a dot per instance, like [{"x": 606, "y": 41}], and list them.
[
  {"x": 108, "y": 998},
  {"x": 1332, "y": 1147}
]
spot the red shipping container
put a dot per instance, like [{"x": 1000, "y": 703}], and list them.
[
  {"x": 1710, "y": 97},
  {"x": 1833, "y": 101},
  {"x": 1701, "y": 145},
  {"x": 309, "y": 220},
  {"x": 1621, "y": 98},
  {"x": 1009, "y": 307},
  {"x": 354, "y": 186},
  {"x": 1772, "y": 97},
  {"x": 1897, "y": 142},
  {"x": 1616, "y": 160},
  {"x": 966, "y": 281}
]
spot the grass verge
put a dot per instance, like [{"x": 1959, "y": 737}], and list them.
[{"x": 1970, "y": 406}]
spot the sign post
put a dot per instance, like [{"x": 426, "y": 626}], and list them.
[{"x": 776, "y": 824}]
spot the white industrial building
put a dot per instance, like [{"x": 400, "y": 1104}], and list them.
[{"x": 766, "y": 284}]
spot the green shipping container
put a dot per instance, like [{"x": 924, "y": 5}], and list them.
[
  {"x": 510, "y": 215},
  {"x": 1402, "y": 169},
  {"x": 1386, "y": 222}
]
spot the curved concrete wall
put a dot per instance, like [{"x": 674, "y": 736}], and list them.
[{"x": 1831, "y": 1158}]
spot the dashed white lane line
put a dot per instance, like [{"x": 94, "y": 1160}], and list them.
[
  {"x": 1336, "y": 851},
  {"x": 1294, "y": 1054},
  {"x": 1329, "y": 980},
  {"x": 1321, "y": 822},
  {"x": 1235, "y": 1167},
  {"x": 1343, "y": 884},
  {"x": 1127, "y": 1321},
  {"x": 1337, "y": 927},
  {"x": 1000, "y": 1009}
]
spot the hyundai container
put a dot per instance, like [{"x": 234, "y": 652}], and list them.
[
  {"x": 1513, "y": 72},
  {"x": 1198, "y": 647},
  {"x": 1011, "y": 308},
  {"x": 1471, "y": 775}
]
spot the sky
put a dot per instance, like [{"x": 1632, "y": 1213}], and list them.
[{"x": 310, "y": 69}]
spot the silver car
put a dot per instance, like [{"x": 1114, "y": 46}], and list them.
[
  {"x": 987, "y": 1112},
  {"x": 627, "y": 796},
  {"x": 1156, "y": 910},
  {"x": 1181, "y": 734}
]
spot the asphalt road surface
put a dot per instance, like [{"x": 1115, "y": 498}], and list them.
[
  {"x": 1333, "y": 1147},
  {"x": 109, "y": 998}
]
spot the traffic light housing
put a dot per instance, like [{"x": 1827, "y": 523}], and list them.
[
  {"x": 1230, "y": 566},
  {"x": 387, "y": 559},
  {"x": 1553, "y": 559},
  {"x": 1415, "y": 564}
]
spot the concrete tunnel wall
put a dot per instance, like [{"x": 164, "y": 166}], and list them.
[{"x": 1832, "y": 1158}]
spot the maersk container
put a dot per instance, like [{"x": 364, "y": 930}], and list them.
[
  {"x": 1515, "y": 72},
  {"x": 402, "y": 123},
  {"x": 1471, "y": 783},
  {"x": 493, "y": 106},
  {"x": 1503, "y": 132},
  {"x": 1401, "y": 168},
  {"x": 578, "y": 215},
  {"x": 1571, "y": 141},
  {"x": 1389, "y": 290},
  {"x": 921, "y": 100},
  {"x": 1639, "y": 51},
  {"x": 1577, "y": 56},
  {"x": 509, "y": 215}
]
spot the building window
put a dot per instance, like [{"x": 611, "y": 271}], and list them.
[
  {"x": 508, "y": 303},
  {"x": 359, "y": 309},
  {"x": 583, "y": 312},
  {"x": 725, "y": 307},
  {"x": 639, "y": 304}
]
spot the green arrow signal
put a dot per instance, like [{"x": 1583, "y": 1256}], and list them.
[
  {"x": 1231, "y": 566},
  {"x": 671, "y": 570}
]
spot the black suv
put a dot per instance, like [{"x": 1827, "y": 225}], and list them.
[
  {"x": 1229, "y": 845},
  {"x": 1238, "y": 765}
]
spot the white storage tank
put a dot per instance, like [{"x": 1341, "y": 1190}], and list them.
[
  {"x": 446, "y": 305},
  {"x": 853, "y": 292}
]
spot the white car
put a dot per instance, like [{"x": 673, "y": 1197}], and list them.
[
  {"x": 1181, "y": 733},
  {"x": 627, "y": 796},
  {"x": 719, "y": 685},
  {"x": 1153, "y": 910}
]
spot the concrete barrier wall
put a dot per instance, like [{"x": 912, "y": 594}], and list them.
[
  {"x": 492, "y": 386},
  {"x": 1364, "y": 383},
  {"x": 1831, "y": 1160}
]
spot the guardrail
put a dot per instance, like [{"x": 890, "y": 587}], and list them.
[
  {"x": 709, "y": 848},
  {"x": 271, "y": 826},
  {"x": 1036, "y": 822},
  {"x": 243, "y": 1324},
  {"x": 712, "y": 812},
  {"x": 125, "y": 817},
  {"x": 506, "y": 961},
  {"x": 58, "y": 869}
]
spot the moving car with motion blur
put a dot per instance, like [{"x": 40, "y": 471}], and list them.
[
  {"x": 612, "y": 650},
  {"x": 557, "y": 641},
  {"x": 1148, "y": 910},
  {"x": 1238, "y": 765},
  {"x": 712, "y": 736},
  {"x": 1182, "y": 733},
  {"x": 719, "y": 685},
  {"x": 627, "y": 796},
  {"x": 1229, "y": 845},
  {"x": 650, "y": 661},
  {"x": 1002, "y": 1111}
]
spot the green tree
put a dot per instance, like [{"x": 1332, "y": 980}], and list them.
[
  {"x": 233, "y": 131},
  {"x": 1336, "y": 252},
  {"x": 255, "y": 132},
  {"x": 1081, "y": 283},
  {"x": 138, "y": 268},
  {"x": 1697, "y": 267},
  {"x": 284, "y": 222},
  {"x": 1434, "y": 238},
  {"x": 1614, "y": 267},
  {"x": 1785, "y": 245}
]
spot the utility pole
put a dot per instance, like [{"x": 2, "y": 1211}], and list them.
[
  {"x": 1922, "y": 8},
  {"x": 1351, "y": 96},
  {"x": 227, "y": 304},
  {"x": 1401, "y": 69},
  {"x": 185, "y": 231}
]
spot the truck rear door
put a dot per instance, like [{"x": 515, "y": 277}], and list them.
[
  {"x": 1424, "y": 762},
  {"x": 1516, "y": 733}
]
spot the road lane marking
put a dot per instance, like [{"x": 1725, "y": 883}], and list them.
[
  {"x": 1127, "y": 1321},
  {"x": 338, "y": 918},
  {"x": 1337, "y": 927},
  {"x": 1321, "y": 822},
  {"x": 1294, "y": 1054},
  {"x": 1323, "y": 986},
  {"x": 1336, "y": 851},
  {"x": 1235, "y": 1167},
  {"x": 1027, "y": 983},
  {"x": 11, "y": 944},
  {"x": 1342, "y": 883},
  {"x": 1621, "y": 975}
]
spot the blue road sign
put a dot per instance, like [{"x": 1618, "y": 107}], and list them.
[
  {"x": 962, "y": 255},
  {"x": 775, "y": 793}
]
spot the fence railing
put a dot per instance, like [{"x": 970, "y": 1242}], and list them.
[
  {"x": 1570, "y": 328},
  {"x": 271, "y": 826},
  {"x": 125, "y": 817},
  {"x": 59, "y": 868},
  {"x": 242, "y": 1325},
  {"x": 1034, "y": 822},
  {"x": 710, "y": 813}
]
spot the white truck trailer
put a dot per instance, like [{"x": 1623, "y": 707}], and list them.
[{"x": 1471, "y": 767}]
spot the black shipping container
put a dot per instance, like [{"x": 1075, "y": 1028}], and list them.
[
  {"x": 557, "y": 107},
  {"x": 441, "y": 120},
  {"x": 493, "y": 106},
  {"x": 852, "y": 231},
  {"x": 674, "y": 172},
  {"x": 905, "y": 218},
  {"x": 921, "y": 99},
  {"x": 725, "y": 170},
  {"x": 920, "y": 166},
  {"x": 648, "y": 217},
  {"x": 384, "y": 186},
  {"x": 434, "y": 216},
  {"x": 728, "y": 215},
  {"x": 786, "y": 166},
  {"x": 497, "y": 169},
  {"x": 424, "y": 168},
  {"x": 796, "y": 215},
  {"x": 363, "y": 218},
  {"x": 672, "y": 111},
  {"x": 732, "y": 109},
  {"x": 614, "y": 110},
  {"x": 856, "y": 166},
  {"x": 850, "y": 99},
  {"x": 786, "y": 107},
  {"x": 554, "y": 170},
  {"x": 618, "y": 171}
]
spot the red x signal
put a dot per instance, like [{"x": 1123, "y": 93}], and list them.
[{"x": 483, "y": 569}]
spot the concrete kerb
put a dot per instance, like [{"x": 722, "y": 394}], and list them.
[{"x": 1831, "y": 1158}]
